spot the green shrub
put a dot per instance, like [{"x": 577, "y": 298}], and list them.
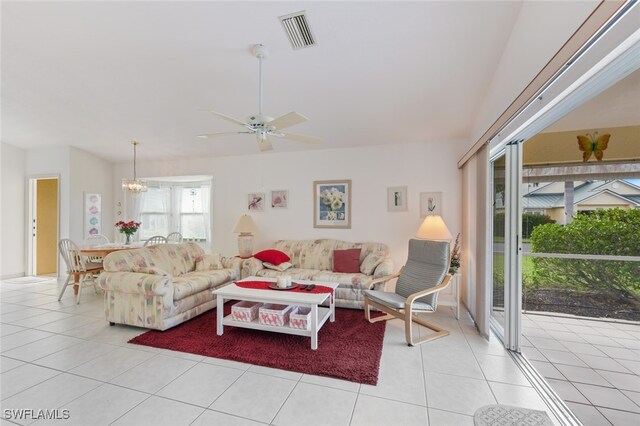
[
  {"x": 529, "y": 222},
  {"x": 604, "y": 232}
]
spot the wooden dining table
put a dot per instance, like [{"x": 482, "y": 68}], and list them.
[{"x": 101, "y": 251}]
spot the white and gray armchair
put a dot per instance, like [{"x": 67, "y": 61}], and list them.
[{"x": 417, "y": 288}]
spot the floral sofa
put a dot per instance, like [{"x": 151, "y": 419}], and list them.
[
  {"x": 163, "y": 285},
  {"x": 313, "y": 260}
]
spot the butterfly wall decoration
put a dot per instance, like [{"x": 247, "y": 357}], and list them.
[{"x": 590, "y": 145}]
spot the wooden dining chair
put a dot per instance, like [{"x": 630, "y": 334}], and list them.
[
  {"x": 95, "y": 240},
  {"x": 156, "y": 239},
  {"x": 78, "y": 268},
  {"x": 174, "y": 237}
]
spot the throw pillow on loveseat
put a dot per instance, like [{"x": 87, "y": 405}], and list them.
[{"x": 313, "y": 260}]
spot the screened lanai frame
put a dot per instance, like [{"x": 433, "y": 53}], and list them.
[{"x": 611, "y": 68}]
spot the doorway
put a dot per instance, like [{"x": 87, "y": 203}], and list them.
[{"x": 43, "y": 226}]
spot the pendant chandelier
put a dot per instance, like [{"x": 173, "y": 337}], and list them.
[{"x": 134, "y": 185}]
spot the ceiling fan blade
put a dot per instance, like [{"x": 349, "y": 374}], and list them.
[
  {"x": 264, "y": 143},
  {"x": 213, "y": 135},
  {"x": 226, "y": 117},
  {"x": 301, "y": 138},
  {"x": 288, "y": 120}
]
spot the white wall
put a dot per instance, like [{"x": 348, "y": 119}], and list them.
[
  {"x": 78, "y": 172},
  {"x": 89, "y": 174},
  {"x": 422, "y": 167},
  {"x": 540, "y": 31},
  {"x": 12, "y": 211}
]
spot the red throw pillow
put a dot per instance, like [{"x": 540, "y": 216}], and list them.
[
  {"x": 347, "y": 261},
  {"x": 275, "y": 257}
]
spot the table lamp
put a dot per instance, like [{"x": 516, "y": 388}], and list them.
[
  {"x": 433, "y": 228},
  {"x": 245, "y": 227}
]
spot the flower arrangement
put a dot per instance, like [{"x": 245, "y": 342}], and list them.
[
  {"x": 456, "y": 256},
  {"x": 128, "y": 228},
  {"x": 333, "y": 198}
]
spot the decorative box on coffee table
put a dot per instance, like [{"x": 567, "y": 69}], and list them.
[{"x": 318, "y": 315}]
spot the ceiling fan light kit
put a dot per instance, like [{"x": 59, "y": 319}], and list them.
[{"x": 262, "y": 125}]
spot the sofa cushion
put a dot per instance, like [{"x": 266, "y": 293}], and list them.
[
  {"x": 346, "y": 260},
  {"x": 370, "y": 263},
  {"x": 138, "y": 260},
  {"x": 281, "y": 267},
  {"x": 182, "y": 257},
  {"x": 189, "y": 284},
  {"x": 174, "y": 259},
  {"x": 195, "y": 282},
  {"x": 357, "y": 280},
  {"x": 272, "y": 256},
  {"x": 294, "y": 273},
  {"x": 318, "y": 254},
  {"x": 209, "y": 262}
]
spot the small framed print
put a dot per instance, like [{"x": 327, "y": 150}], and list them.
[
  {"x": 397, "y": 199},
  {"x": 332, "y": 204},
  {"x": 255, "y": 202},
  {"x": 280, "y": 199},
  {"x": 430, "y": 203}
]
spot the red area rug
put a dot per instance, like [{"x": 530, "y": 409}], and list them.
[{"x": 349, "y": 348}]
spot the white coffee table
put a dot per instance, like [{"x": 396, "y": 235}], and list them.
[{"x": 319, "y": 314}]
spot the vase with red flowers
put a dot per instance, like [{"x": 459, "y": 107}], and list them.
[{"x": 128, "y": 229}]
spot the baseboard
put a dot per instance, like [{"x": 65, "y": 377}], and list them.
[{"x": 10, "y": 276}]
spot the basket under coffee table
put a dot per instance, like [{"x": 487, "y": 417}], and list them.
[{"x": 318, "y": 314}]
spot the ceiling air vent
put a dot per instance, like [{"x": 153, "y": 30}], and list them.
[{"x": 297, "y": 29}]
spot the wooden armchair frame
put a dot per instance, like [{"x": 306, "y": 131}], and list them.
[{"x": 408, "y": 314}]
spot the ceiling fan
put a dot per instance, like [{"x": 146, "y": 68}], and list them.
[{"x": 263, "y": 125}]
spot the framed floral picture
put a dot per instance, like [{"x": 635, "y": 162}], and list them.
[
  {"x": 430, "y": 203},
  {"x": 397, "y": 199},
  {"x": 255, "y": 202},
  {"x": 332, "y": 204},
  {"x": 92, "y": 213},
  {"x": 280, "y": 199}
]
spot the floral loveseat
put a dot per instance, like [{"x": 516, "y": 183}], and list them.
[
  {"x": 164, "y": 285},
  {"x": 313, "y": 260}
]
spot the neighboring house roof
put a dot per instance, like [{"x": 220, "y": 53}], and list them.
[
  {"x": 620, "y": 187},
  {"x": 609, "y": 192},
  {"x": 542, "y": 201},
  {"x": 548, "y": 197}
]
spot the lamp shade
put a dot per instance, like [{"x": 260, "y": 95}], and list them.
[
  {"x": 434, "y": 228},
  {"x": 245, "y": 225}
]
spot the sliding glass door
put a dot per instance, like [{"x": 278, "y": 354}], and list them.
[
  {"x": 506, "y": 178},
  {"x": 498, "y": 166}
]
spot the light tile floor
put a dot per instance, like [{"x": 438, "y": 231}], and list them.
[
  {"x": 594, "y": 366},
  {"x": 58, "y": 355}
]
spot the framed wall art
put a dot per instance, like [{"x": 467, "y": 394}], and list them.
[
  {"x": 255, "y": 202},
  {"x": 92, "y": 213},
  {"x": 430, "y": 203},
  {"x": 332, "y": 204},
  {"x": 397, "y": 199},
  {"x": 279, "y": 199}
]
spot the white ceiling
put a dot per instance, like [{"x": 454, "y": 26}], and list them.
[{"x": 95, "y": 75}]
